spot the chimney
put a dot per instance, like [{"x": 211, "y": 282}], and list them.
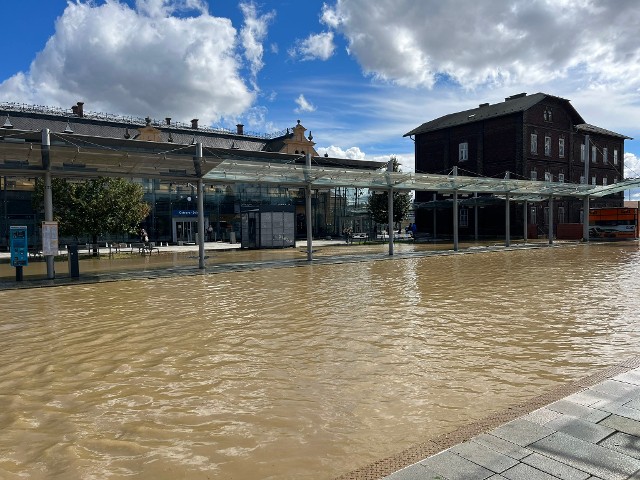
[
  {"x": 81, "y": 109},
  {"x": 194, "y": 123},
  {"x": 168, "y": 120},
  {"x": 240, "y": 129},
  {"x": 74, "y": 109}
]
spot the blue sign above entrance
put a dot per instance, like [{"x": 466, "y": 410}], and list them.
[{"x": 185, "y": 213}]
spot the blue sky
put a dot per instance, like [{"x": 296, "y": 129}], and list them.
[{"x": 358, "y": 74}]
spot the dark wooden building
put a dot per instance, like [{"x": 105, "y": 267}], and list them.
[{"x": 538, "y": 137}]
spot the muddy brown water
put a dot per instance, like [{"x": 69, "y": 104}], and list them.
[{"x": 298, "y": 373}]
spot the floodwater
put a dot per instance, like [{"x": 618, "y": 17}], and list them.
[{"x": 298, "y": 373}]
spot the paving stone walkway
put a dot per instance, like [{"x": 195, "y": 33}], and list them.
[{"x": 591, "y": 434}]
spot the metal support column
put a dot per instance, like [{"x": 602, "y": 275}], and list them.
[
  {"x": 390, "y": 228},
  {"x": 200, "y": 195},
  {"x": 551, "y": 220},
  {"x": 585, "y": 219},
  {"x": 308, "y": 214},
  {"x": 475, "y": 216},
  {"x": 48, "y": 195},
  {"x": 525, "y": 215},
  {"x": 435, "y": 212},
  {"x": 507, "y": 220},
  {"x": 585, "y": 205},
  {"x": 455, "y": 214}
]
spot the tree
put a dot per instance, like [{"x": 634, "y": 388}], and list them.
[
  {"x": 378, "y": 203},
  {"x": 94, "y": 207}
]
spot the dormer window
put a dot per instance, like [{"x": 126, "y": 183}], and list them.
[{"x": 548, "y": 115}]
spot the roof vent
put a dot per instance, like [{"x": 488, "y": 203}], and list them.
[
  {"x": 68, "y": 129},
  {"x": 7, "y": 123}
]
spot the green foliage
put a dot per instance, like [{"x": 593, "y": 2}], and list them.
[
  {"x": 378, "y": 203},
  {"x": 94, "y": 207}
]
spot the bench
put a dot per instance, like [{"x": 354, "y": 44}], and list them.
[
  {"x": 145, "y": 248},
  {"x": 359, "y": 237}
]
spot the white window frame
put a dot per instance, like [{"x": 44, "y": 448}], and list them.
[
  {"x": 582, "y": 153},
  {"x": 463, "y": 151},
  {"x": 464, "y": 217},
  {"x": 547, "y": 145},
  {"x": 604, "y": 181},
  {"x": 561, "y": 147},
  {"x": 534, "y": 143},
  {"x": 594, "y": 154},
  {"x": 534, "y": 175},
  {"x": 605, "y": 155},
  {"x": 561, "y": 214},
  {"x": 582, "y": 180},
  {"x": 594, "y": 180},
  {"x": 533, "y": 216},
  {"x": 615, "y": 156},
  {"x": 561, "y": 177}
]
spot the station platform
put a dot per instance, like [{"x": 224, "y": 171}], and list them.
[{"x": 586, "y": 430}]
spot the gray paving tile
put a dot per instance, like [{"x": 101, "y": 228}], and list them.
[
  {"x": 633, "y": 404},
  {"x": 454, "y": 467},
  {"x": 555, "y": 468},
  {"x": 484, "y": 456},
  {"x": 614, "y": 387},
  {"x": 622, "y": 424},
  {"x": 526, "y": 472},
  {"x": 579, "y": 428},
  {"x": 522, "y": 432},
  {"x": 622, "y": 411},
  {"x": 589, "y": 397},
  {"x": 500, "y": 445},
  {"x": 496, "y": 477},
  {"x": 542, "y": 416},
  {"x": 415, "y": 472},
  {"x": 623, "y": 443},
  {"x": 578, "y": 411},
  {"x": 632, "y": 376},
  {"x": 591, "y": 458}
]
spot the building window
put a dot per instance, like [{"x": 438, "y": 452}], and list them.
[
  {"x": 615, "y": 156},
  {"x": 534, "y": 175},
  {"x": 464, "y": 217},
  {"x": 548, "y": 177},
  {"x": 463, "y": 152},
  {"x": 534, "y": 143},
  {"x": 594, "y": 154},
  {"x": 582, "y": 153},
  {"x": 547, "y": 146},
  {"x": 582, "y": 180},
  {"x": 561, "y": 177},
  {"x": 533, "y": 220},
  {"x": 548, "y": 116},
  {"x": 560, "y": 214},
  {"x": 605, "y": 155},
  {"x": 561, "y": 147},
  {"x": 615, "y": 179},
  {"x": 546, "y": 215},
  {"x": 604, "y": 181},
  {"x": 593, "y": 180}
]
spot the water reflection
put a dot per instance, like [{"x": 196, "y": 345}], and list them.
[{"x": 301, "y": 373}]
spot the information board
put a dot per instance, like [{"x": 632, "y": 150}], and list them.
[
  {"x": 50, "y": 238},
  {"x": 19, "y": 245}
]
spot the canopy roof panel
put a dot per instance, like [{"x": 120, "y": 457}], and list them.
[{"x": 82, "y": 157}]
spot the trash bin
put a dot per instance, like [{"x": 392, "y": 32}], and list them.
[{"x": 74, "y": 266}]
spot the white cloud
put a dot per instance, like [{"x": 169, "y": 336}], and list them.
[
  {"x": 353, "y": 153},
  {"x": 141, "y": 62},
  {"x": 314, "y": 47},
  {"x": 631, "y": 166},
  {"x": 304, "y": 105},
  {"x": 253, "y": 34},
  {"x": 493, "y": 43}
]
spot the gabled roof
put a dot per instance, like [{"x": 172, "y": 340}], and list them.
[
  {"x": 586, "y": 128},
  {"x": 513, "y": 104}
]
